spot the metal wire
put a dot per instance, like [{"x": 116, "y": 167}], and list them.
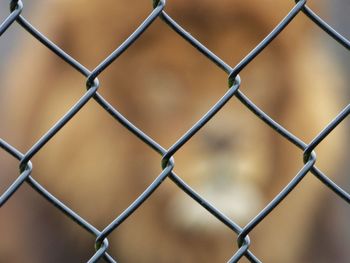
[{"x": 167, "y": 159}]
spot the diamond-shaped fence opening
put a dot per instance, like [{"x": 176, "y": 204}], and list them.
[{"x": 157, "y": 225}]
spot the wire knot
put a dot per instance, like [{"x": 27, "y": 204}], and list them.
[
  {"x": 234, "y": 80},
  {"x": 158, "y": 3},
  {"x": 16, "y": 4},
  {"x": 92, "y": 82}
]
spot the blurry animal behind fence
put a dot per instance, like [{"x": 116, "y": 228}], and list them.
[{"x": 163, "y": 85}]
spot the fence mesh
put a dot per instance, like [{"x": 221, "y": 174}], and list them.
[{"x": 167, "y": 160}]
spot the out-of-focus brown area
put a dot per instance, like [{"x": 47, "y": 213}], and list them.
[{"x": 163, "y": 85}]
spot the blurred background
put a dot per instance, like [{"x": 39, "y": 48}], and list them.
[{"x": 335, "y": 238}]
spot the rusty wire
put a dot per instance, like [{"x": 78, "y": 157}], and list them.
[{"x": 101, "y": 245}]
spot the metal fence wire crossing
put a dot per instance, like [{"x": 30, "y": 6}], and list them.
[{"x": 308, "y": 153}]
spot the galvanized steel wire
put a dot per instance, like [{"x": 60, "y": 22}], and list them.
[{"x": 308, "y": 153}]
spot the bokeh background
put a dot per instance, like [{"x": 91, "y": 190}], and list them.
[{"x": 334, "y": 238}]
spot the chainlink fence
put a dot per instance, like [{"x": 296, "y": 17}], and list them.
[{"x": 167, "y": 161}]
